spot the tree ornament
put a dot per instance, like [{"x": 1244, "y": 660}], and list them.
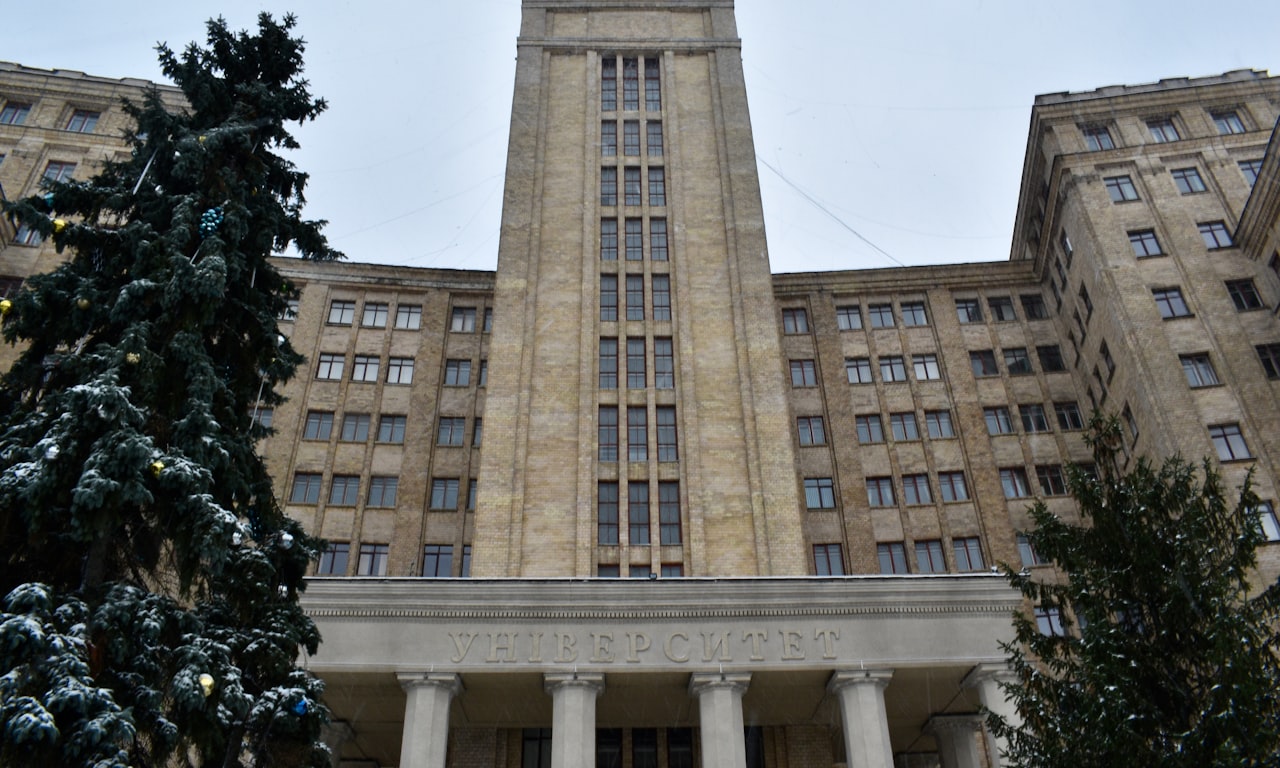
[
  {"x": 133, "y": 358},
  {"x": 82, "y": 303},
  {"x": 210, "y": 220},
  {"x": 206, "y": 683},
  {"x": 300, "y": 708},
  {"x": 286, "y": 540},
  {"x": 5, "y": 306},
  {"x": 59, "y": 225},
  {"x": 201, "y": 139},
  {"x": 48, "y": 199},
  {"x": 157, "y": 467}
]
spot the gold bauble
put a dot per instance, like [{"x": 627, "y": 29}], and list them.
[
  {"x": 133, "y": 358},
  {"x": 206, "y": 683},
  {"x": 157, "y": 467},
  {"x": 59, "y": 225},
  {"x": 5, "y": 306},
  {"x": 82, "y": 303}
]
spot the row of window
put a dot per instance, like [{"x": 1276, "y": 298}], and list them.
[
  {"x": 633, "y": 231},
  {"x": 332, "y": 366},
  {"x": 664, "y": 371},
  {"x": 632, "y": 195},
  {"x": 640, "y": 571},
  {"x": 1243, "y": 293},
  {"x": 638, "y": 521},
  {"x": 892, "y": 556},
  {"x": 631, "y": 80},
  {"x": 375, "y": 314},
  {"x": 819, "y": 492},
  {"x": 1121, "y": 189},
  {"x": 344, "y": 491},
  {"x": 437, "y": 560},
  {"x": 355, "y": 427},
  {"x": 1162, "y": 129},
  {"x": 1034, "y": 418},
  {"x": 634, "y": 293},
  {"x": 644, "y": 748},
  {"x": 79, "y": 121},
  {"x": 630, "y": 138},
  {"x": 926, "y": 367},
  {"x": 637, "y": 419},
  {"x": 969, "y": 310}
]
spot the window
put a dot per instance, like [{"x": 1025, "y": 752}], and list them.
[
  {"x": 1064, "y": 240},
  {"x": 83, "y": 121},
  {"x": 915, "y": 490},
  {"x": 608, "y": 103},
  {"x": 451, "y": 430},
  {"x": 444, "y": 493},
  {"x": 27, "y": 236},
  {"x": 382, "y": 491},
  {"x": 463, "y": 320},
  {"x": 1017, "y": 361},
  {"x": 365, "y": 368},
  {"x": 951, "y": 486},
  {"x": 984, "y": 363},
  {"x": 1188, "y": 180},
  {"x": 1027, "y": 553},
  {"x": 1052, "y": 480},
  {"x": 903, "y": 426},
  {"x": 400, "y": 370},
  {"x": 1250, "y": 169},
  {"x": 880, "y": 492},
  {"x": 657, "y": 187},
  {"x": 333, "y": 561},
  {"x": 437, "y": 561},
  {"x": 664, "y": 367},
  {"x": 1097, "y": 138},
  {"x": 828, "y": 560},
  {"x": 1049, "y": 621},
  {"x": 1001, "y": 308},
  {"x": 849, "y": 318},
  {"x": 637, "y": 434},
  {"x": 1215, "y": 235},
  {"x": 457, "y": 373},
  {"x": 881, "y": 315},
  {"x": 1033, "y": 306},
  {"x": 653, "y": 138},
  {"x": 608, "y": 363},
  {"x": 969, "y": 310},
  {"x": 1267, "y": 520},
  {"x": 608, "y": 298},
  {"x": 892, "y": 556},
  {"x": 1033, "y": 417},
  {"x": 391, "y": 429},
  {"x": 635, "y": 363},
  {"x": 344, "y": 490},
  {"x": 608, "y": 187},
  {"x": 631, "y": 186},
  {"x": 1108, "y": 360},
  {"x": 669, "y": 513},
  {"x": 938, "y": 424},
  {"x": 374, "y": 315},
  {"x": 1269, "y": 356},
  {"x": 1170, "y": 303},
  {"x": 811, "y": 430},
  {"x": 638, "y": 513},
  {"x": 858, "y": 370},
  {"x": 608, "y": 239},
  {"x": 667, "y": 446},
  {"x": 306, "y": 488},
  {"x": 803, "y": 373},
  {"x": 607, "y": 513},
  {"x": 926, "y": 367},
  {"x": 929, "y": 557},
  {"x": 1227, "y": 122},
  {"x": 355, "y": 428},
  {"x": 652, "y": 86},
  {"x": 1229, "y": 442},
  {"x": 263, "y": 417},
  {"x": 1050, "y": 358},
  {"x": 319, "y": 425},
  {"x": 1088, "y": 303},
  {"x": 820, "y": 493},
  {"x": 1244, "y": 294},
  {"x": 795, "y": 321},
  {"x": 1120, "y": 188},
  {"x": 1162, "y": 130},
  {"x": 1014, "y": 482},
  {"x": 869, "y": 428},
  {"x": 603, "y": 572},
  {"x": 477, "y": 435},
  {"x": 913, "y": 314},
  {"x": 1144, "y": 243},
  {"x": 465, "y": 571},
  {"x": 472, "y": 487},
  {"x": 488, "y": 320},
  {"x": 1069, "y": 417},
  {"x": 893, "y": 368},
  {"x": 658, "y": 239},
  {"x": 1199, "y": 370},
  {"x": 607, "y": 433},
  {"x": 330, "y": 366},
  {"x": 635, "y": 297},
  {"x": 634, "y": 234},
  {"x": 14, "y": 113},
  {"x": 373, "y": 560},
  {"x": 630, "y": 138},
  {"x": 968, "y": 553},
  {"x": 342, "y": 312},
  {"x": 408, "y": 317},
  {"x": 608, "y": 138},
  {"x": 662, "y": 298},
  {"x": 59, "y": 171},
  {"x": 998, "y": 421}
]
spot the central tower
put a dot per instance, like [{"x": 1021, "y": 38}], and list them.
[{"x": 636, "y": 414}]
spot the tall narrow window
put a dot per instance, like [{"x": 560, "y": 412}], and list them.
[
  {"x": 664, "y": 365},
  {"x": 658, "y": 239},
  {"x": 635, "y": 297},
  {"x": 667, "y": 450},
  {"x": 608, "y": 186},
  {"x": 635, "y": 363},
  {"x": 892, "y": 556},
  {"x": 608, "y": 298},
  {"x": 657, "y": 187},
  {"x": 607, "y": 433},
  {"x": 437, "y": 561},
  {"x": 653, "y": 138},
  {"x": 607, "y": 513},
  {"x": 631, "y": 138},
  {"x": 828, "y": 560},
  {"x": 661, "y": 297},
  {"x": 373, "y": 560},
  {"x": 630, "y": 84},
  {"x": 608, "y": 138},
  {"x": 849, "y": 317},
  {"x": 652, "y": 86},
  {"x": 968, "y": 553},
  {"x": 637, "y": 434},
  {"x": 635, "y": 240},
  {"x": 638, "y": 513},
  {"x": 929, "y": 557},
  {"x": 609, "y": 84},
  {"x": 608, "y": 363},
  {"x": 669, "y": 512},
  {"x": 631, "y": 186},
  {"x": 334, "y": 560},
  {"x": 608, "y": 239}
]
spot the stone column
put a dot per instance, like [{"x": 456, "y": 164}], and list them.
[
  {"x": 865, "y": 721},
  {"x": 956, "y": 737},
  {"x": 986, "y": 678},
  {"x": 573, "y": 724},
  {"x": 426, "y": 718},
  {"x": 720, "y": 717}
]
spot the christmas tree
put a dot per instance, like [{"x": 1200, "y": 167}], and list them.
[{"x": 150, "y": 615}]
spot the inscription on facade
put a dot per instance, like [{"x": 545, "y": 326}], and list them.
[{"x": 635, "y": 647}]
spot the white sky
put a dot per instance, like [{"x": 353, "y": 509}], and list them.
[{"x": 906, "y": 121}]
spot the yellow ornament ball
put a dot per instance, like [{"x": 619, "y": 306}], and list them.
[
  {"x": 157, "y": 467},
  {"x": 59, "y": 225},
  {"x": 206, "y": 683},
  {"x": 201, "y": 139},
  {"x": 5, "y": 306},
  {"x": 82, "y": 303},
  {"x": 133, "y": 358}
]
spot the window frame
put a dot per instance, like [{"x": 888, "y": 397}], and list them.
[
  {"x": 1142, "y": 241},
  {"x": 819, "y": 493},
  {"x": 952, "y": 486},
  {"x": 1171, "y": 303},
  {"x": 1188, "y": 180},
  {"x": 1228, "y": 441},
  {"x": 1215, "y": 235},
  {"x": 1199, "y": 370},
  {"x": 1120, "y": 188}
]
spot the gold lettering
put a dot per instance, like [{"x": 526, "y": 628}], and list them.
[
  {"x": 670, "y": 651},
  {"x": 791, "y": 650},
  {"x": 536, "y": 656},
  {"x": 756, "y": 636},
  {"x": 457, "y": 643},
  {"x": 566, "y": 648},
  {"x": 636, "y": 642},
  {"x": 602, "y": 646},
  {"x": 828, "y": 636},
  {"x": 507, "y": 646},
  {"x": 711, "y": 642}
]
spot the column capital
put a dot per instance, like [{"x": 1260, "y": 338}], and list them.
[
  {"x": 700, "y": 682},
  {"x": 964, "y": 724},
  {"x": 842, "y": 678},
  {"x": 446, "y": 680},
  {"x": 593, "y": 681},
  {"x": 988, "y": 672}
]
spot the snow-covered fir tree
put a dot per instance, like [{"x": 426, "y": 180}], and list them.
[{"x": 150, "y": 615}]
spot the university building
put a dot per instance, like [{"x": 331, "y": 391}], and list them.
[{"x": 634, "y": 501}]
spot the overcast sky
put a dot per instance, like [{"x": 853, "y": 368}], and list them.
[{"x": 903, "y": 122}]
